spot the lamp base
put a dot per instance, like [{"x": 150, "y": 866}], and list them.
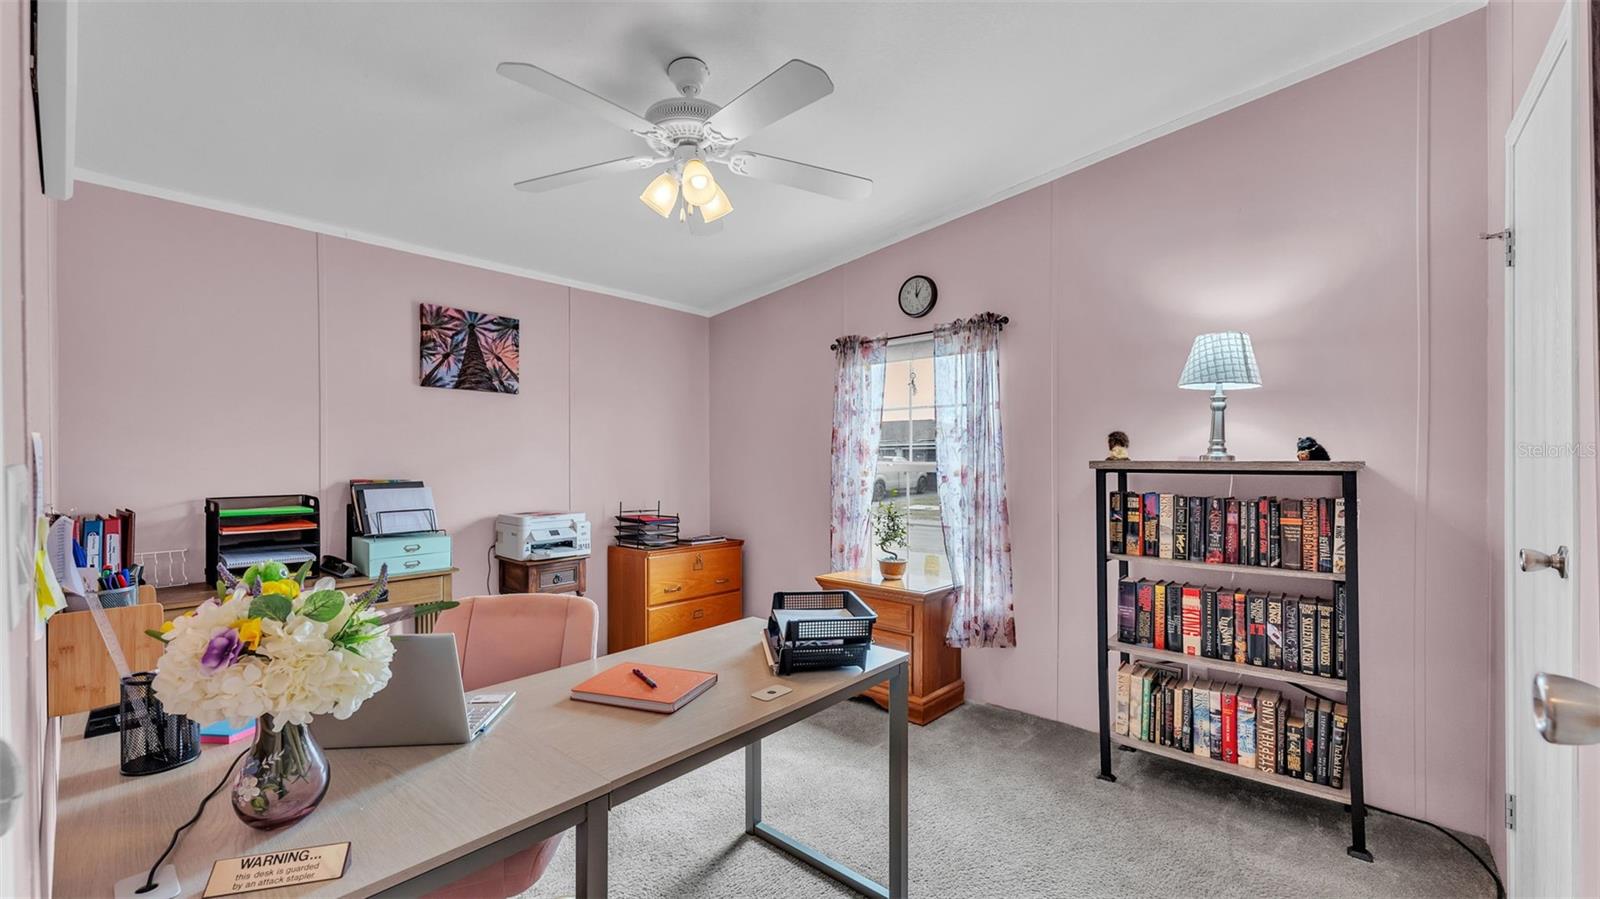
[{"x": 1217, "y": 457}]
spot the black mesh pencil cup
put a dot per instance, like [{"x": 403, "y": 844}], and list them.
[{"x": 152, "y": 740}]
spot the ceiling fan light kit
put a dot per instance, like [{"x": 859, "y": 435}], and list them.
[{"x": 687, "y": 132}]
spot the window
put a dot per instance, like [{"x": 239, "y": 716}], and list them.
[{"x": 907, "y": 474}]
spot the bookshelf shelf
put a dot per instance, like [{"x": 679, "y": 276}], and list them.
[
  {"x": 1282, "y": 781},
  {"x": 1315, "y": 682},
  {"x": 1228, "y": 569},
  {"x": 1111, "y": 568}
]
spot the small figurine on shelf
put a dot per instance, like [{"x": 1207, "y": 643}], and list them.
[
  {"x": 1309, "y": 450},
  {"x": 1117, "y": 443}
]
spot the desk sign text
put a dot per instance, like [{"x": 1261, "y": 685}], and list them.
[{"x": 288, "y": 867}]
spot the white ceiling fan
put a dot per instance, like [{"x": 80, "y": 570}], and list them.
[{"x": 687, "y": 132}]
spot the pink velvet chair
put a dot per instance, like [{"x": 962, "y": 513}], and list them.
[{"x": 501, "y": 638}]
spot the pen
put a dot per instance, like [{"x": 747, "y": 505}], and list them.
[{"x": 644, "y": 677}]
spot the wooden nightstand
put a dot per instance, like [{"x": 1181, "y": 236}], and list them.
[
  {"x": 568, "y": 575},
  {"x": 913, "y": 615}
]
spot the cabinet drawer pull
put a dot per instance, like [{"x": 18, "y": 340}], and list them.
[
  {"x": 412, "y": 563},
  {"x": 722, "y": 580},
  {"x": 411, "y": 547},
  {"x": 699, "y": 613},
  {"x": 672, "y": 589}
]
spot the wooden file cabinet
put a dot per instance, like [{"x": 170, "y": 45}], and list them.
[
  {"x": 913, "y": 615},
  {"x": 654, "y": 594}
]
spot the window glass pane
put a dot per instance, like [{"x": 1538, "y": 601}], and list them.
[{"x": 907, "y": 474}]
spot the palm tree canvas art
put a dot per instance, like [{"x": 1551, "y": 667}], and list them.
[{"x": 463, "y": 350}]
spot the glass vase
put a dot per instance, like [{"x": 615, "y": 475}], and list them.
[{"x": 282, "y": 779}]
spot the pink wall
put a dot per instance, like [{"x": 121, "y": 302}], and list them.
[
  {"x": 27, "y": 401},
  {"x": 209, "y": 354},
  {"x": 1336, "y": 221},
  {"x": 1516, "y": 34}
]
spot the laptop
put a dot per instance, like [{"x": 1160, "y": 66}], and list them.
[{"x": 423, "y": 704}]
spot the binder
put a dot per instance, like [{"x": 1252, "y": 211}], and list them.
[{"x": 93, "y": 531}]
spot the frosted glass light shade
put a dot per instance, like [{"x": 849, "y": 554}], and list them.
[
  {"x": 1224, "y": 360},
  {"x": 661, "y": 195},
  {"x": 699, "y": 188},
  {"x": 717, "y": 208}
]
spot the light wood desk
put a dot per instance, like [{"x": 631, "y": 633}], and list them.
[{"x": 549, "y": 764}]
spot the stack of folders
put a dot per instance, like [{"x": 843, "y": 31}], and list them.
[
  {"x": 389, "y": 507},
  {"x": 107, "y": 540}
]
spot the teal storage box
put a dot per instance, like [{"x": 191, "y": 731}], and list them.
[{"x": 407, "y": 554}]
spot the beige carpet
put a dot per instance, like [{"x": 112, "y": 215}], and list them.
[{"x": 1004, "y": 804}]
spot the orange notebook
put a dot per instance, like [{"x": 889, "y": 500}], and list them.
[{"x": 618, "y": 685}]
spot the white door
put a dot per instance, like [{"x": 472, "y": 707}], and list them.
[{"x": 1541, "y": 458}]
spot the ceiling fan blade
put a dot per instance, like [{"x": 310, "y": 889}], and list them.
[
  {"x": 816, "y": 179},
  {"x": 567, "y": 92},
  {"x": 795, "y": 85},
  {"x": 588, "y": 173}
]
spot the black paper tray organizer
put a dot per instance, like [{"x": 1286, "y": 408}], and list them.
[{"x": 837, "y": 635}]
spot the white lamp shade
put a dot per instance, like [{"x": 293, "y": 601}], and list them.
[{"x": 1224, "y": 360}]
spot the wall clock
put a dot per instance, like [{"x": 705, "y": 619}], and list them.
[{"x": 918, "y": 295}]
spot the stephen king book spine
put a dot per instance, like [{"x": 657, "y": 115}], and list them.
[
  {"x": 1324, "y": 535},
  {"x": 1217, "y": 727},
  {"x": 1164, "y": 527},
  {"x": 1230, "y": 537},
  {"x": 1274, "y": 534},
  {"x": 1308, "y": 753},
  {"x": 1247, "y": 532},
  {"x": 1338, "y": 536},
  {"x": 1230, "y": 724},
  {"x": 1208, "y": 622},
  {"x": 1275, "y": 632},
  {"x": 1325, "y": 639},
  {"x": 1190, "y": 606},
  {"x": 1146, "y": 622},
  {"x": 1291, "y": 633},
  {"x": 1308, "y": 535},
  {"x": 1121, "y": 721},
  {"x": 1201, "y": 700},
  {"x": 1338, "y": 628},
  {"x": 1160, "y": 609},
  {"x": 1180, "y": 527},
  {"x": 1241, "y": 626},
  {"x": 1337, "y": 748},
  {"x": 1174, "y": 616},
  {"x": 1114, "y": 517},
  {"x": 1152, "y": 525},
  {"x": 1224, "y": 647},
  {"x": 1324, "y": 739},
  {"x": 1294, "y": 740},
  {"x": 1285, "y": 713},
  {"x": 1127, "y": 611},
  {"x": 1185, "y": 701},
  {"x": 1308, "y": 637},
  {"x": 1133, "y": 525},
  {"x": 1197, "y": 528},
  {"x": 1263, "y": 531},
  {"x": 1256, "y": 642},
  {"x": 1246, "y": 727},
  {"x": 1289, "y": 523},
  {"x": 1214, "y": 530},
  {"x": 1267, "y": 730}
]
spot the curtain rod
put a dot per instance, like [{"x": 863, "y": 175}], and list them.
[{"x": 1002, "y": 321}]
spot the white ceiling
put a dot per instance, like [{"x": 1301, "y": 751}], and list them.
[{"x": 387, "y": 122}]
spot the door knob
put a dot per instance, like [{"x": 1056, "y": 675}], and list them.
[
  {"x": 1566, "y": 710},
  {"x": 1533, "y": 560}
]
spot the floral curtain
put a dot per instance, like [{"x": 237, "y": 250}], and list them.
[
  {"x": 857, "y": 423},
  {"x": 972, "y": 480}
]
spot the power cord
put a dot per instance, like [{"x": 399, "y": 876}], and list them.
[
  {"x": 1499, "y": 888},
  {"x": 150, "y": 879},
  {"x": 488, "y": 570}
]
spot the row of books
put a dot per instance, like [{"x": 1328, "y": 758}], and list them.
[
  {"x": 1254, "y": 727},
  {"x": 1267, "y": 532},
  {"x": 1249, "y": 627},
  {"x": 107, "y": 540}
]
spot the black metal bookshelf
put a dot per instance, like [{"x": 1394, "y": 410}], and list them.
[{"x": 1352, "y": 795}]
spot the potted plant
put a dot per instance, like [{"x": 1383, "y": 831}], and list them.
[{"x": 889, "y": 527}]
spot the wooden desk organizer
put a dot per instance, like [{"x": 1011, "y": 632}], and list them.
[{"x": 79, "y": 675}]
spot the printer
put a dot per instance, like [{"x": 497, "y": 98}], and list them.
[{"x": 541, "y": 535}]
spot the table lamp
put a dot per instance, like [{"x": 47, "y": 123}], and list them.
[{"x": 1219, "y": 362}]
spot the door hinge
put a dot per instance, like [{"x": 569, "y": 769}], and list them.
[
  {"x": 1510, "y": 238},
  {"x": 1511, "y": 812}
]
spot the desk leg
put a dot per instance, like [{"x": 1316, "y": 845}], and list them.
[
  {"x": 592, "y": 849},
  {"x": 752, "y": 786},
  {"x": 899, "y": 793}
]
